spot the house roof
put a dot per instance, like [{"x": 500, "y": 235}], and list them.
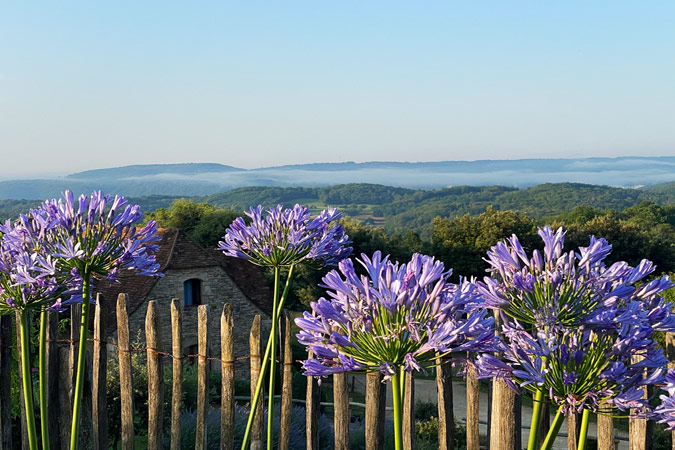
[{"x": 178, "y": 251}]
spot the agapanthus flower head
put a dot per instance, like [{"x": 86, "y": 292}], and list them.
[
  {"x": 665, "y": 412},
  {"x": 283, "y": 237},
  {"x": 29, "y": 277},
  {"x": 553, "y": 287},
  {"x": 100, "y": 235},
  {"x": 575, "y": 328},
  {"x": 397, "y": 316},
  {"x": 582, "y": 367}
]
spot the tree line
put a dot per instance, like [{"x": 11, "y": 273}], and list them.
[{"x": 646, "y": 230}]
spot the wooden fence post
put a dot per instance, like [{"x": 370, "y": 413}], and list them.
[
  {"x": 286, "y": 383},
  {"x": 202, "y": 377},
  {"x": 22, "y": 405},
  {"x": 126, "y": 388},
  {"x": 5, "y": 388},
  {"x": 446, "y": 418},
  {"x": 255, "y": 364},
  {"x": 573, "y": 427},
  {"x": 75, "y": 319},
  {"x": 503, "y": 434},
  {"x": 65, "y": 407},
  {"x": 640, "y": 430},
  {"x": 340, "y": 410},
  {"x": 312, "y": 404},
  {"x": 605, "y": 432},
  {"x": 85, "y": 437},
  {"x": 376, "y": 404},
  {"x": 99, "y": 407},
  {"x": 177, "y": 371},
  {"x": 409, "y": 411},
  {"x": 52, "y": 369},
  {"x": 472, "y": 404},
  {"x": 503, "y": 419},
  {"x": 153, "y": 343},
  {"x": 544, "y": 423},
  {"x": 227, "y": 378}
]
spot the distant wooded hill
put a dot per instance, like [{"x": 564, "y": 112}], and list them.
[
  {"x": 201, "y": 179},
  {"x": 400, "y": 209}
]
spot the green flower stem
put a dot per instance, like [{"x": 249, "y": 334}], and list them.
[
  {"x": 553, "y": 432},
  {"x": 44, "y": 427},
  {"x": 584, "y": 429},
  {"x": 536, "y": 419},
  {"x": 265, "y": 361},
  {"x": 396, "y": 385},
  {"x": 26, "y": 376},
  {"x": 81, "y": 358},
  {"x": 273, "y": 366}
]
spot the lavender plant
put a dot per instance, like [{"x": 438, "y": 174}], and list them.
[
  {"x": 397, "y": 319},
  {"x": 93, "y": 238},
  {"x": 283, "y": 238},
  {"x": 576, "y": 332}
]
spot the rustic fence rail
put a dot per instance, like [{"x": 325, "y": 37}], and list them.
[{"x": 503, "y": 425}]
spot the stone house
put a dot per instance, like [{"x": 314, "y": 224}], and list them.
[{"x": 195, "y": 276}]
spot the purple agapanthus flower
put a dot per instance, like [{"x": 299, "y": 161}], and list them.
[
  {"x": 398, "y": 316},
  {"x": 575, "y": 328},
  {"x": 285, "y": 237},
  {"x": 665, "y": 412},
  {"x": 100, "y": 235},
  {"x": 29, "y": 276}
]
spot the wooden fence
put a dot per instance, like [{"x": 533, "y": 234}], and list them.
[{"x": 504, "y": 409}]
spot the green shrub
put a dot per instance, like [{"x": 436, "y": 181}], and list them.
[
  {"x": 425, "y": 410},
  {"x": 426, "y": 434}
]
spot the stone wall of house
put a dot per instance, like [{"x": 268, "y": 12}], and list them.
[{"x": 216, "y": 290}]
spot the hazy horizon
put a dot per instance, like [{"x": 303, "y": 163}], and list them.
[
  {"x": 92, "y": 85},
  {"x": 59, "y": 174}
]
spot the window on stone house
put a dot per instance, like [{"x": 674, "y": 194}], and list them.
[{"x": 192, "y": 292}]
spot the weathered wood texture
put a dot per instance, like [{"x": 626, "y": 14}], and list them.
[
  {"x": 99, "y": 407},
  {"x": 286, "y": 382},
  {"x": 472, "y": 404},
  {"x": 153, "y": 342},
  {"x": 126, "y": 387},
  {"x": 409, "y": 411},
  {"x": 503, "y": 426},
  {"x": 573, "y": 426},
  {"x": 640, "y": 430},
  {"x": 202, "y": 377},
  {"x": 376, "y": 402},
  {"x": 446, "y": 418},
  {"x": 605, "y": 432},
  {"x": 24, "y": 426},
  {"x": 6, "y": 329},
  {"x": 312, "y": 400},
  {"x": 227, "y": 378},
  {"x": 340, "y": 410},
  {"x": 177, "y": 375},
  {"x": 255, "y": 364}
]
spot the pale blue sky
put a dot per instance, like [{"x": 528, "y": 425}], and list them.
[{"x": 93, "y": 84}]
